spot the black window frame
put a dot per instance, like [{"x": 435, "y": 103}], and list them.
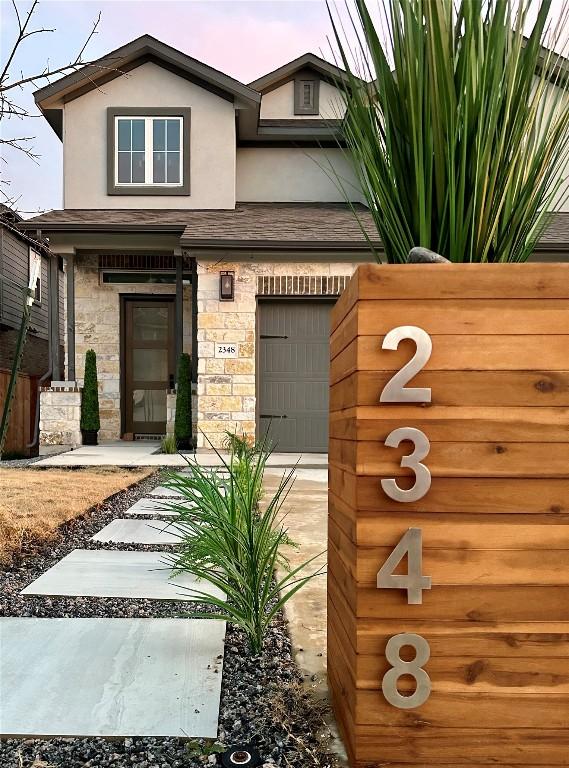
[{"x": 148, "y": 189}]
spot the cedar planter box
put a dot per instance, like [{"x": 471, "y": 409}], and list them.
[{"x": 494, "y": 522}]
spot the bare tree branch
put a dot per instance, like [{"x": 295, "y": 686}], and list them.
[{"x": 10, "y": 106}]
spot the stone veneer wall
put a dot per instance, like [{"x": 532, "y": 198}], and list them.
[
  {"x": 97, "y": 326},
  {"x": 60, "y": 416},
  {"x": 226, "y": 387}
]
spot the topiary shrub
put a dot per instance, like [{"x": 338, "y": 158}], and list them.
[
  {"x": 90, "y": 423},
  {"x": 183, "y": 421}
]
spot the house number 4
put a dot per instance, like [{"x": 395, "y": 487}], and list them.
[{"x": 411, "y": 543}]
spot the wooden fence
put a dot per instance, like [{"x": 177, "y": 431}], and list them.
[
  {"x": 23, "y": 413},
  {"x": 479, "y": 517}
]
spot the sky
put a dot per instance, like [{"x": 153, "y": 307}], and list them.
[{"x": 243, "y": 38}]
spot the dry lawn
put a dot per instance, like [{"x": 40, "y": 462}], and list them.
[{"x": 34, "y": 503}]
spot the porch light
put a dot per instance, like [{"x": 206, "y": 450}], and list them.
[{"x": 226, "y": 286}]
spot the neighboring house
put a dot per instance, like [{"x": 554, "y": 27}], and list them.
[
  {"x": 204, "y": 215},
  {"x": 18, "y": 251}
]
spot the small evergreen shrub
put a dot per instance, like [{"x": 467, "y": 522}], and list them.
[
  {"x": 183, "y": 421},
  {"x": 90, "y": 400}
]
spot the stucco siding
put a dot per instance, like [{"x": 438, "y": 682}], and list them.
[
  {"x": 279, "y": 103},
  {"x": 294, "y": 175},
  {"x": 212, "y": 141}
]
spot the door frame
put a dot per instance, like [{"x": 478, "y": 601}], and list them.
[
  {"x": 125, "y": 298},
  {"x": 320, "y": 299}
]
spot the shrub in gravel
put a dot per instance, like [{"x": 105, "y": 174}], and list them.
[{"x": 228, "y": 540}]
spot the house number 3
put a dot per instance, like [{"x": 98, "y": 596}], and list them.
[{"x": 411, "y": 544}]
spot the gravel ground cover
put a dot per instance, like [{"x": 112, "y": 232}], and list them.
[{"x": 263, "y": 700}]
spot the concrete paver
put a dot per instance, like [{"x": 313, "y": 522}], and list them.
[
  {"x": 138, "y": 532},
  {"x": 110, "y": 677},
  {"x": 153, "y": 507},
  {"x": 112, "y": 573}
]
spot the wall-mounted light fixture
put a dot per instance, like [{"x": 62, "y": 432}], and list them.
[{"x": 226, "y": 286}]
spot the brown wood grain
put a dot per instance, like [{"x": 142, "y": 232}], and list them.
[
  {"x": 530, "y": 640},
  {"x": 449, "y": 531},
  {"x": 454, "y": 459},
  {"x": 459, "y": 316},
  {"x": 426, "y": 745},
  {"x": 480, "y": 495},
  {"x": 454, "y": 423},
  {"x": 457, "y": 565},
  {"x": 476, "y": 603},
  {"x": 480, "y": 710},
  {"x": 457, "y": 353},
  {"x": 21, "y": 424},
  {"x": 461, "y": 388},
  {"x": 495, "y": 521}
]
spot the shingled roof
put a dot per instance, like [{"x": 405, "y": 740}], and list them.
[
  {"x": 318, "y": 225},
  {"x": 251, "y": 225}
]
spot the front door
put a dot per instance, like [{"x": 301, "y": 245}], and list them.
[{"x": 148, "y": 359}]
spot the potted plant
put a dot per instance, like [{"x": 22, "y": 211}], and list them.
[
  {"x": 90, "y": 422},
  {"x": 457, "y": 123},
  {"x": 183, "y": 419}
]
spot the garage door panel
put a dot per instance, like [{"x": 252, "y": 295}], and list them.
[{"x": 293, "y": 375}]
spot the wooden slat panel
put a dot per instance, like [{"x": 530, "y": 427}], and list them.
[
  {"x": 454, "y": 424},
  {"x": 458, "y": 674},
  {"x": 469, "y": 639},
  {"x": 482, "y": 495},
  {"x": 457, "y": 353},
  {"x": 507, "y": 604},
  {"x": 457, "y": 565},
  {"x": 460, "y": 316},
  {"x": 495, "y": 521},
  {"x": 473, "y": 281},
  {"x": 425, "y": 745},
  {"x": 475, "y": 388},
  {"x": 21, "y": 427},
  {"x": 479, "y": 710},
  {"x": 448, "y": 531},
  {"x": 523, "y": 460}
]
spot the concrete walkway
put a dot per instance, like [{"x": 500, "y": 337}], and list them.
[
  {"x": 113, "y": 677},
  {"x": 142, "y": 453}
]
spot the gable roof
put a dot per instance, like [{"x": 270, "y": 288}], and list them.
[
  {"x": 277, "y": 77},
  {"x": 52, "y": 97}
]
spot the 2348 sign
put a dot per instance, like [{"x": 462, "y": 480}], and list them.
[{"x": 411, "y": 543}]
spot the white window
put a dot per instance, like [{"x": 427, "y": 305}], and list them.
[
  {"x": 149, "y": 151},
  {"x": 34, "y": 274}
]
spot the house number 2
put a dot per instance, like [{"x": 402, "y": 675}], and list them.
[{"x": 411, "y": 544}]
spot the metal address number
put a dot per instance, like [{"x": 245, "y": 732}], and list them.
[
  {"x": 411, "y": 543},
  {"x": 413, "y": 668},
  {"x": 395, "y": 391},
  {"x": 412, "y": 461}
]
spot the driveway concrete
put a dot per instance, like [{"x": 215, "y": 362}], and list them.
[{"x": 306, "y": 511}]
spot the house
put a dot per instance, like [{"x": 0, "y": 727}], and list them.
[
  {"x": 18, "y": 251},
  {"x": 208, "y": 216}
]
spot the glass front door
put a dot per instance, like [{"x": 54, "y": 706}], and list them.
[{"x": 149, "y": 364}]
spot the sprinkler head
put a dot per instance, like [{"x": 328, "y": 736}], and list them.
[{"x": 241, "y": 755}]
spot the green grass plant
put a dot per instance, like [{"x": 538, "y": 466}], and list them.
[
  {"x": 231, "y": 541},
  {"x": 460, "y": 134}
]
